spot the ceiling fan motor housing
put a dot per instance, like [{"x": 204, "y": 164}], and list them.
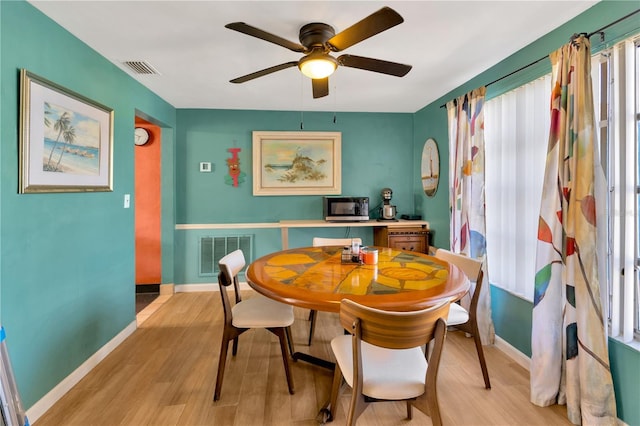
[{"x": 315, "y": 35}]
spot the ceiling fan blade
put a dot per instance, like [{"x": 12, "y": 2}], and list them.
[
  {"x": 263, "y": 72},
  {"x": 375, "y": 65},
  {"x": 320, "y": 87},
  {"x": 261, "y": 34},
  {"x": 373, "y": 24}
]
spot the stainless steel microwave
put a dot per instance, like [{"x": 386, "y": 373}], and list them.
[{"x": 346, "y": 209}]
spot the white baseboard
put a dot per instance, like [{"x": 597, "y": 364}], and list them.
[
  {"x": 166, "y": 289},
  {"x": 513, "y": 353},
  {"x": 190, "y": 288},
  {"x": 47, "y": 401},
  {"x": 194, "y": 288}
]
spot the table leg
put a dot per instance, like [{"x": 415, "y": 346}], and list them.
[
  {"x": 313, "y": 360},
  {"x": 324, "y": 415},
  {"x": 284, "y": 232}
]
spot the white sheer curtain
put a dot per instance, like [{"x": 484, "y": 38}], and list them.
[{"x": 516, "y": 135}]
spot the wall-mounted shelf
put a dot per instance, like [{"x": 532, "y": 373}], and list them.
[
  {"x": 393, "y": 227},
  {"x": 387, "y": 225}
]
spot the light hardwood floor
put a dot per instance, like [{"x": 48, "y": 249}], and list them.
[{"x": 164, "y": 374}]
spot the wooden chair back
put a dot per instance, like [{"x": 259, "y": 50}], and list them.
[
  {"x": 230, "y": 266},
  {"x": 472, "y": 269},
  {"x": 393, "y": 330}
]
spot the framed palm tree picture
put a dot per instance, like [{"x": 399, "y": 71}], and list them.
[{"x": 66, "y": 139}]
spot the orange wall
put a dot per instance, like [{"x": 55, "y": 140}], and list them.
[{"x": 147, "y": 207}]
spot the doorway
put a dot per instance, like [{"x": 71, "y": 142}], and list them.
[{"x": 147, "y": 203}]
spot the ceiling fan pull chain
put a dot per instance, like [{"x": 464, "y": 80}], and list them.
[
  {"x": 301, "y": 104},
  {"x": 335, "y": 105}
]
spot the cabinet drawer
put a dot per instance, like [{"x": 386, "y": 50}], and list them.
[
  {"x": 404, "y": 238},
  {"x": 411, "y": 243}
]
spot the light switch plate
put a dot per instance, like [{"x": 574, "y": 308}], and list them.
[{"x": 205, "y": 167}]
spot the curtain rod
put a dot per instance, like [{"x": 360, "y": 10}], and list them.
[{"x": 598, "y": 31}]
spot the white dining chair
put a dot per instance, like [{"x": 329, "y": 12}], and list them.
[
  {"x": 382, "y": 358},
  {"x": 461, "y": 318},
  {"x": 255, "y": 312}
]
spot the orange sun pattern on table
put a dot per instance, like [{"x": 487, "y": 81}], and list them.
[{"x": 321, "y": 269}]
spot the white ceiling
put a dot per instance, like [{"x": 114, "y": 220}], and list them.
[{"x": 447, "y": 42}]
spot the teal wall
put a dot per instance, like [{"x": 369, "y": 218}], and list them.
[
  {"x": 431, "y": 122},
  {"x": 67, "y": 260},
  {"x": 377, "y": 152},
  {"x": 511, "y": 314},
  {"x": 512, "y": 319},
  {"x": 625, "y": 370}
]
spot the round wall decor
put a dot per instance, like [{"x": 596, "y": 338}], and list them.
[{"x": 430, "y": 169}]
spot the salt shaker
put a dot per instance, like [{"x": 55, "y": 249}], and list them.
[{"x": 355, "y": 251}]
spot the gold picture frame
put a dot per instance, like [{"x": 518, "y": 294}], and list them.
[
  {"x": 66, "y": 139},
  {"x": 297, "y": 163}
]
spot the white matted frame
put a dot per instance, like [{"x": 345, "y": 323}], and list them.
[
  {"x": 297, "y": 163},
  {"x": 66, "y": 140}
]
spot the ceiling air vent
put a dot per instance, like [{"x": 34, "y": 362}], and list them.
[{"x": 141, "y": 67}]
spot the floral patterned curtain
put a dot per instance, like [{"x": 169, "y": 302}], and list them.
[
  {"x": 466, "y": 190},
  {"x": 570, "y": 362}
]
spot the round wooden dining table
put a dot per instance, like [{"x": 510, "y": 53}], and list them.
[{"x": 317, "y": 278}]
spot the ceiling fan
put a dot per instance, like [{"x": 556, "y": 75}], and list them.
[{"x": 317, "y": 40}]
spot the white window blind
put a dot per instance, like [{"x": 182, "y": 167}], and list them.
[{"x": 516, "y": 138}]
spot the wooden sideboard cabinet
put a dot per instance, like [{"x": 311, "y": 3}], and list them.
[{"x": 415, "y": 238}]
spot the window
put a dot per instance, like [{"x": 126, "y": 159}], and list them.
[
  {"x": 516, "y": 133},
  {"x": 617, "y": 83}
]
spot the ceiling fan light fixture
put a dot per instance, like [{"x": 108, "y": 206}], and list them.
[{"x": 317, "y": 66}]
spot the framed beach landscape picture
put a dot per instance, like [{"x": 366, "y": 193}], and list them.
[
  {"x": 297, "y": 163},
  {"x": 66, "y": 139}
]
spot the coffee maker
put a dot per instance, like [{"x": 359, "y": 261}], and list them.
[{"x": 387, "y": 211}]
